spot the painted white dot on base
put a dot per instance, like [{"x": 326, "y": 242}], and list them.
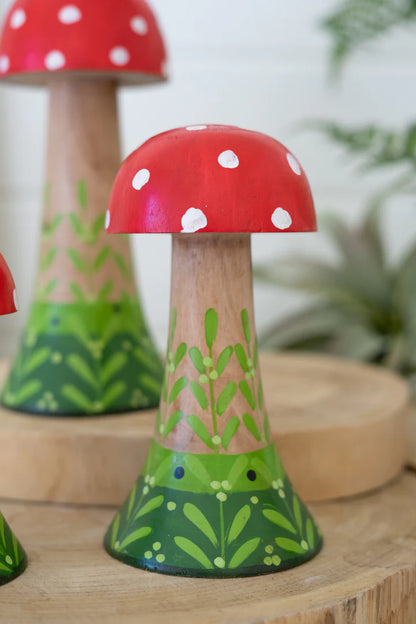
[
  {"x": 69, "y": 14},
  {"x": 119, "y": 56},
  {"x": 55, "y": 60},
  {"x": 193, "y": 220},
  {"x": 192, "y": 128},
  {"x": 107, "y": 219},
  {"x": 17, "y": 18},
  {"x": 16, "y": 304},
  {"x": 228, "y": 159},
  {"x": 281, "y": 219},
  {"x": 4, "y": 64},
  {"x": 139, "y": 25},
  {"x": 293, "y": 164},
  {"x": 141, "y": 178}
]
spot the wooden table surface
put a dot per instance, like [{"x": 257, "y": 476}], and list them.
[{"x": 366, "y": 573}]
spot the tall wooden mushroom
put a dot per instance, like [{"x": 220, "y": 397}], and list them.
[
  {"x": 12, "y": 556},
  {"x": 86, "y": 348},
  {"x": 213, "y": 498}
]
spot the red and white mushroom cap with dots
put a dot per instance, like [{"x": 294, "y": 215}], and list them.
[
  {"x": 8, "y": 302},
  {"x": 211, "y": 179},
  {"x": 116, "y": 38}
]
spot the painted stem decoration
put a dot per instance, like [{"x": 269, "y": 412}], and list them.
[
  {"x": 13, "y": 559},
  {"x": 213, "y": 498},
  {"x": 86, "y": 348}
]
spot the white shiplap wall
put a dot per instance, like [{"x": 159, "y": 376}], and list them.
[{"x": 260, "y": 65}]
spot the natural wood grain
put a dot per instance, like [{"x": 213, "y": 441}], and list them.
[
  {"x": 412, "y": 437},
  {"x": 340, "y": 428},
  {"x": 366, "y": 573}
]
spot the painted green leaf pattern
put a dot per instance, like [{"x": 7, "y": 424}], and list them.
[
  {"x": 223, "y": 360},
  {"x": 197, "y": 518},
  {"x": 310, "y": 534},
  {"x": 244, "y": 552},
  {"x": 193, "y": 551},
  {"x": 177, "y": 387},
  {"x": 197, "y": 359},
  {"x": 289, "y": 545},
  {"x": 242, "y": 357},
  {"x": 199, "y": 394},
  {"x": 239, "y": 522},
  {"x": 200, "y": 429},
  {"x": 230, "y": 431},
  {"x": 173, "y": 421},
  {"x": 279, "y": 519},
  {"x": 226, "y": 397},
  {"x": 246, "y": 326},
  {"x": 211, "y": 326},
  {"x": 180, "y": 354},
  {"x": 247, "y": 393},
  {"x": 136, "y": 535},
  {"x": 152, "y": 504},
  {"x": 252, "y": 427}
]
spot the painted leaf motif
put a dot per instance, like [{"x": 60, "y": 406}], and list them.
[
  {"x": 193, "y": 551},
  {"x": 223, "y": 360},
  {"x": 162, "y": 470},
  {"x": 237, "y": 469},
  {"x": 133, "y": 537},
  {"x": 50, "y": 287},
  {"x": 200, "y": 429},
  {"x": 226, "y": 397},
  {"x": 29, "y": 389},
  {"x": 199, "y": 394},
  {"x": 36, "y": 360},
  {"x": 197, "y": 359},
  {"x": 153, "y": 503},
  {"x": 251, "y": 426},
  {"x": 113, "y": 393},
  {"x": 239, "y": 522},
  {"x": 82, "y": 193},
  {"x": 263, "y": 470},
  {"x": 230, "y": 431},
  {"x": 174, "y": 420},
  {"x": 82, "y": 369},
  {"x": 297, "y": 512},
  {"x": 76, "y": 260},
  {"x": 76, "y": 225},
  {"x": 123, "y": 267},
  {"x": 244, "y": 552},
  {"x": 198, "y": 470},
  {"x": 132, "y": 500},
  {"x": 149, "y": 383},
  {"x": 177, "y": 387},
  {"x": 242, "y": 357},
  {"x": 77, "y": 292},
  {"x": 246, "y": 325},
  {"x": 179, "y": 355},
  {"x": 260, "y": 395},
  {"x": 114, "y": 529},
  {"x": 105, "y": 291},
  {"x": 247, "y": 393},
  {"x": 47, "y": 260},
  {"x": 197, "y": 518},
  {"x": 289, "y": 545},
  {"x": 211, "y": 326},
  {"x": 97, "y": 227},
  {"x": 310, "y": 533},
  {"x": 113, "y": 366},
  {"x": 76, "y": 397},
  {"x": 279, "y": 519},
  {"x": 101, "y": 258}
]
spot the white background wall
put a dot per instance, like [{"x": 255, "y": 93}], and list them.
[{"x": 261, "y": 65}]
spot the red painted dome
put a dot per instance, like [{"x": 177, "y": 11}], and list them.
[
  {"x": 116, "y": 38},
  {"x": 211, "y": 179},
  {"x": 7, "y": 289}
]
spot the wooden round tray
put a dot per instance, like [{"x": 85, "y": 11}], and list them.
[
  {"x": 365, "y": 574},
  {"x": 340, "y": 429}
]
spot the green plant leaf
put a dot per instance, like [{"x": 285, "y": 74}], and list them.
[
  {"x": 242, "y": 357},
  {"x": 244, "y": 552},
  {"x": 82, "y": 194},
  {"x": 35, "y": 360},
  {"x": 211, "y": 327},
  {"x": 310, "y": 533},
  {"x": 237, "y": 469},
  {"x": 240, "y": 520},
  {"x": 279, "y": 519},
  {"x": 177, "y": 387},
  {"x": 290, "y": 545},
  {"x": 113, "y": 393},
  {"x": 135, "y": 536},
  {"x": 77, "y": 398},
  {"x": 80, "y": 367},
  {"x": 197, "y": 359},
  {"x": 101, "y": 258},
  {"x": 246, "y": 326},
  {"x": 297, "y": 513},
  {"x": 223, "y": 360},
  {"x": 199, "y": 394},
  {"x": 200, "y": 429},
  {"x": 226, "y": 397},
  {"x": 151, "y": 505},
  {"x": 252, "y": 427},
  {"x": 230, "y": 431},
  {"x": 179, "y": 355},
  {"x": 197, "y": 518},
  {"x": 112, "y": 366},
  {"x": 247, "y": 393},
  {"x": 174, "y": 420},
  {"x": 193, "y": 551}
]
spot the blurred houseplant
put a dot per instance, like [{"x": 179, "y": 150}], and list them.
[{"x": 362, "y": 307}]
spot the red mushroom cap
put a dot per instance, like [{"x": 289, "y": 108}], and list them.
[
  {"x": 8, "y": 303},
  {"x": 211, "y": 179},
  {"x": 116, "y": 38}
]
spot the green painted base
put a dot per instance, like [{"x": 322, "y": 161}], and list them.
[
  {"x": 84, "y": 359},
  {"x": 13, "y": 559},
  {"x": 213, "y": 516}
]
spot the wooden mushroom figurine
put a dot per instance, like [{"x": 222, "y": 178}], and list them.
[
  {"x": 12, "y": 556},
  {"x": 86, "y": 348},
  {"x": 213, "y": 498}
]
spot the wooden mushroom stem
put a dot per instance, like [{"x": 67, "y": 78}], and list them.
[
  {"x": 83, "y": 158},
  {"x": 211, "y": 293}
]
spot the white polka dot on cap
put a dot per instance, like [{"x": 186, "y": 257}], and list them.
[
  {"x": 228, "y": 160},
  {"x": 4, "y": 64},
  {"x": 107, "y": 219},
  {"x": 55, "y": 60},
  {"x": 293, "y": 164},
  {"x": 194, "y": 128},
  {"x": 141, "y": 178},
  {"x": 17, "y": 18},
  {"x": 281, "y": 219},
  {"x": 119, "y": 56},
  {"x": 69, "y": 14},
  {"x": 139, "y": 25},
  {"x": 193, "y": 220}
]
